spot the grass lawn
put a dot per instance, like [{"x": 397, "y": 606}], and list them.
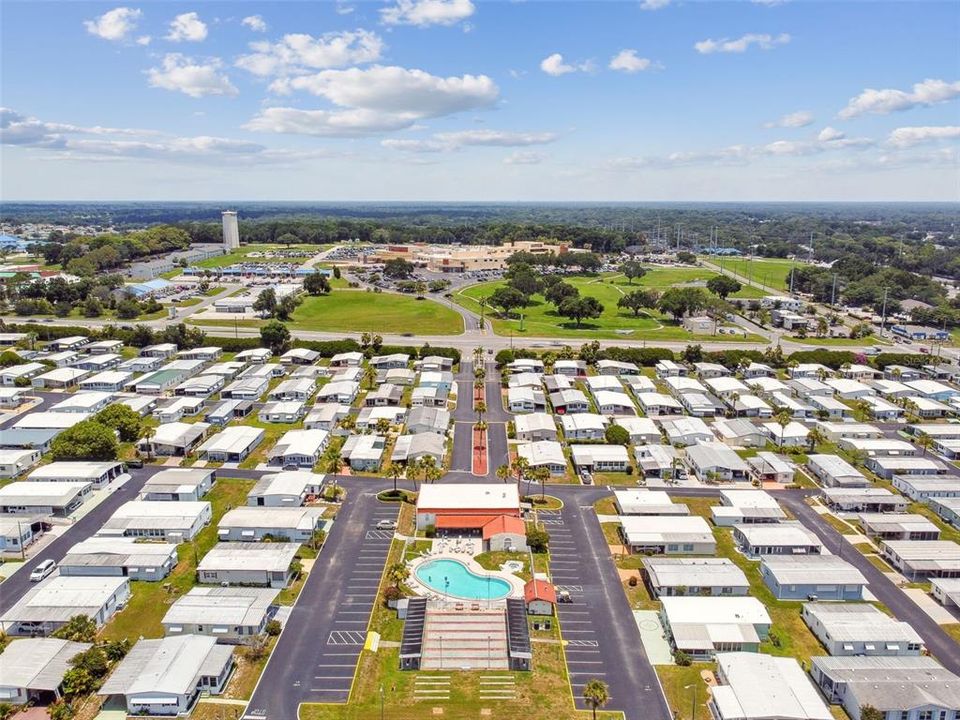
[
  {"x": 360, "y": 311},
  {"x": 953, "y": 630},
  {"x": 770, "y": 272},
  {"x": 838, "y": 342},
  {"x": 149, "y": 601},
  {"x": 493, "y": 561},
  {"x": 541, "y": 318},
  {"x": 685, "y": 689}
]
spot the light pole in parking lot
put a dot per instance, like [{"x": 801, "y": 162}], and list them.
[{"x": 381, "y": 701}]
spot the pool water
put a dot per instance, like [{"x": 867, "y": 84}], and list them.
[{"x": 455, "y": 579}]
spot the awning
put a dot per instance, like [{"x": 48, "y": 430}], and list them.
[{"x": 462, "y": 522}]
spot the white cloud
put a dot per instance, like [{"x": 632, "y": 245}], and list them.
[
  {"x": 116, "y": 24},
  {"x": 524, "y": 157},
  {"x": 327, "y": 123},
  {"x": 798, "y": 119},
  {"x": 741, "y": 44},
  {"x": 106, "y": 143},
  {"x": 396, "y": 90},
  {"x": 909, "y": 136},
  {"x": 296, "y": 53},
  {"x": 343, "y": 9},
  {"x": 768, "y": 3},
  {"x": 195, "y": 78},
  {"x": 449, "y": 141},
  {"x": 423, "y": 13},
  {"x": 556, "y": 66},
  {"x": 884, "y": 102},
  {"x": 255, "y": 23},
  {"x": 144, "y": 40},
  {"x": 653, "y": 4},
  {"x": 627, "y": 61},
  {"x": 374, "y": 100},
  {"x": 187, "y": 27}
]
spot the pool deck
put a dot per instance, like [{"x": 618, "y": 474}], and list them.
[{"x": 463, "y": 553}]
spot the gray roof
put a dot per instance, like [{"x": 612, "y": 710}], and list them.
[
  {"x": 221, "y": 605},
  {"x": 271, "y": 557},
  {"x": 118, "y": 552},
  {"x": 694, "y": 572},
  {"x": 853, "y": 622},
  {"x": 59, "y": 598},
  {"x": 893, "y": 682},
  {"x": 37, "y": 663},
  {"x": 168, "y": 665},
  {"x": 813, "y": 570}
]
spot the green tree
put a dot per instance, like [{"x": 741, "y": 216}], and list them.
[
  {"x": 538, "y": 539},
  {"x": 266, "y": 302},
  {"x": 87, "y": 440},
  {"x": 317, "y": 284},
  {"x": 79, "y": 628},
  {"x": 287, "y": 306},
  {"x": 77, "y": 682},
  {"x": 8, "y": 358},
  {"x": 398, "y": 573},
  {"x": 596, "y": 694},
  {"x": 560, "y": 291},
  {"x": 869, "y": 712},
  {"x": 128, "y": 309},
  {"x": 121, "y": 418},
  {"x": 724, "y": 285},
  {"x": 394, "y": 471},
  {"x": 633, "y": 270},
  {"x": 680, "y": 302},
  {"x": 398, "y": 269},
  {"x": 92, "y": 307},
  {"x": 288, "y": 239},
  {"x": 638, "y": 300},
  {"x": 503, "y": 473},
  {"x": 579, "y": 309},
  {"x": 276, "y": 336},
  {"x": 508, "y": 298},
  {"x": 616, "y": 435}
]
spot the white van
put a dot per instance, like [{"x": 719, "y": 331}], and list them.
[{"x": 43, "y": 570}]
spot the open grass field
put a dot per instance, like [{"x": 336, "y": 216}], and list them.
[
  {"x": 770, "y": 272},
  {"x": 360, "y": 311},
  {"x": 541, "y": 318},
  {"x": 149, "y": 601}
]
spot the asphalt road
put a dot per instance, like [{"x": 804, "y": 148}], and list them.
[
  {"x": 603, "y": 641},
  {"x": 940, "y": 645},
  {"x": 316, "y": 656},
  {"x": 14, "y": 587}
]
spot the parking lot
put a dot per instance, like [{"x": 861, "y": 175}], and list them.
[
  {"x": 317, "y": 654},
  {"x": 602, "y": 641}
]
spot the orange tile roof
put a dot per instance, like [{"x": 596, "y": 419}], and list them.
[
  {"x": 504, "y": 524},
  {"x": 540, "y": 590},
  {"x": 463, "y": 521}
]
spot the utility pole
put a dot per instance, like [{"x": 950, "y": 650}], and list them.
[
  {"x": 833, "y": 292},
  {"x": 883, "y": 318}
]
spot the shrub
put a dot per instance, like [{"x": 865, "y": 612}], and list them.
[
  {"x": 633, "y": 581},
  {"x": 430, "y": 531},
  {"x": 681, "y": 658},
  {"x": 273, "y": 628},
  {"x": 538, "y": 540}
]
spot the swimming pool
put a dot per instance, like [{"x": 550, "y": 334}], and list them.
[{"x": 455, "y": 579}]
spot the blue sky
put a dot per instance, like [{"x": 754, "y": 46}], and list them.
[{"x": 472, "y": 100}]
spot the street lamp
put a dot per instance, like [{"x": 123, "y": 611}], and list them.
[
  {"x": 693, "y": 714},
  {"x": 381, "y": 701}
]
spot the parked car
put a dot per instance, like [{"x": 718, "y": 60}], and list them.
[
  {"x": 386, "y": 525},
  {"x": 43, "y": 570},
  {"x": 136, "y": 463}
]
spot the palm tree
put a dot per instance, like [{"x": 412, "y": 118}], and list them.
[
  {"x": 480, "y": 407},
  {"x": 862, "y": 409},
  {"x": 542, "y": 474},
  {"x": 924, "y": 441},
  {"x": 398, "y": 573},
  {"x": 815, "y": 437},
  {"x": 412, "y": 473},
  {"x": 596, "y": 694},
  {"x": 431, "y": 473},
  {"x": 370, "y": 375},
  {"x": 822, "y": 326},
  {"x": 503, "y": 472},
  {"x": 520, "y": 465},
  {"x": 783, "y": 418},
  {"x": 420, "y": 288},
  {"x": 394, "y": 470},
  {"x": 148, "y": 433},
  {"x": 348, "y": 422},
  {"x": 482, "y": 427},
  {"x": 480, "y": 373},
  {"x": 335, "y": 466}
]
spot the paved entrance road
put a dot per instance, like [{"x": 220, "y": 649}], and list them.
[
  {"x": 940, "y": 645},
  {"x": 603, "y": 639},
  {"x": 316, "y": 656}
]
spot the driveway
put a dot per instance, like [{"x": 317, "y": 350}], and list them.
[
  {"x": 316, "y": 657},
  {"x": 602, "y": 637}
]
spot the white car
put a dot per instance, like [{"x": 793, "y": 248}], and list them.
[{"x": 43, "y": 570}]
